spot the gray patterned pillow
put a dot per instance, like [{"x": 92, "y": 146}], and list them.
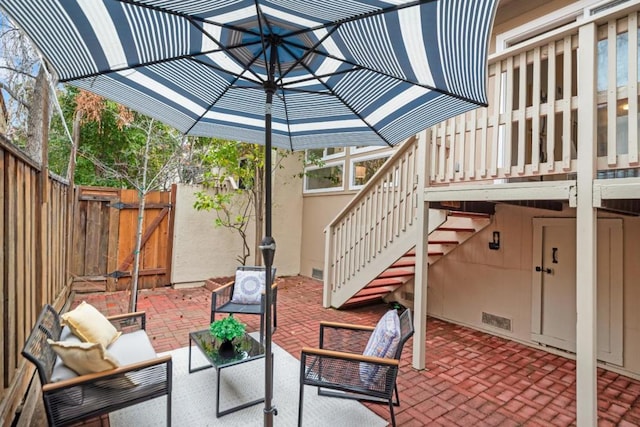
[
  {"x": 248, "y": 287},
  {"x": 383, "y": 342}
]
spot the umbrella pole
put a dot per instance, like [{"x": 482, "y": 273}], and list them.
[{"x": 268, "y": 246}]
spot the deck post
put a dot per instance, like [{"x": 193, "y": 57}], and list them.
[
  {"x": 586, "y": 227},
  {"x": 421, "y": 268}
]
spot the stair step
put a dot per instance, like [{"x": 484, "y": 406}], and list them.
[
  {"x": 358, "y": 301},
  {"x": 457, "y": 229},
  {"x": 396, "y": 273},
  {"x": 443, "y": 242},
  {"x": 386, "y": 281},
  {"x": 379, "y": 290},
  {"x": 469, "y": 214},
  {"x": 435, "y": 253},
  {"x": 404, "y": 262}
]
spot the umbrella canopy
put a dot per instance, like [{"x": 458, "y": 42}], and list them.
[
  {"x": 289, "y": 74},
  {"x": 357, "y": 72}
]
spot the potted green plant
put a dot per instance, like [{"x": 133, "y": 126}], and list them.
[{"x": 225, "y": 331}]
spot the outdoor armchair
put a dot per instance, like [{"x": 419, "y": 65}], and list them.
[
  {"x": 344, "y": 365},
  {"x": 246, "y": 295}
]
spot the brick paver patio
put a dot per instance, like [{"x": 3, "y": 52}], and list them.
[{"x": 472, "y": 378}]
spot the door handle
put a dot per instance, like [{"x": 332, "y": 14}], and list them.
[{"x": 544, "y": 270}]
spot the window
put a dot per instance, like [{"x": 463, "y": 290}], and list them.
[
  {"x": 362, "y": 169},
  {"x": 326, "y": 178},
  {"x": 622, "y": 77},
  {"x": 325, "y": 153}
]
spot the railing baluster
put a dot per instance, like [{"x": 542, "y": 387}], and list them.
[
  {"x": 508, "y": 117},
  {"x": 567, "y": 59},
  {"x": 612, "y": 89},
  {"x": 472, "y": 144},
  {"x": 535, "y": 119},
  {"x": 483, "y": 142},
  {"x": 633, "y": 87},
  {"x": 452, "y": 149},
  {"x": 551, "y": 105},
  {"x": 522, "y": 113},
  {"x": 497, "y": 102},
  {"x": 461, "y": 148},
  {"x": 443, "y": 150}
]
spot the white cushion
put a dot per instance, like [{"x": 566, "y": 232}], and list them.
[
  {"x": 90, "y": 325},
  {"x": 248, "y": 287},
  {"x": 383, "y": 342}
]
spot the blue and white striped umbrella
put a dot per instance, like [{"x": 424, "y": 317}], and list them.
[
  {"x": 293, "y": 74},
  {"x": 348, "y": 72}
]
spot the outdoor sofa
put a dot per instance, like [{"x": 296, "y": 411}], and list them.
[{"x": 134, "y": 372}]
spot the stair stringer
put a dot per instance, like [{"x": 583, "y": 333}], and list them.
[{"x": 394, "y": 250}]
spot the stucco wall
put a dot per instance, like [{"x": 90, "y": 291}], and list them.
[
  {"x": 202, "y": 251},
  {"x": 473, "y": 279},
  {"x": 318, "y": 211}
]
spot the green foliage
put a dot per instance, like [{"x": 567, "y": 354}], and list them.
[
  {"x": 110, "y": 154},
  {"x": 227, "y": 328}
]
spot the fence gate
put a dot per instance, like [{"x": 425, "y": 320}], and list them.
[{"x": 105, "y": 239}]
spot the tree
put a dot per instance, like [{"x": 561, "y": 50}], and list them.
[
  {"x": 242, "y": 164},
  {"x": 25, "y": 91}
]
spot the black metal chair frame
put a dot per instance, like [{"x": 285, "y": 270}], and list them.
[
  {"x": 221, "y": 301},
  {"x": 86, "y": 396},
  {"x": 336, "y": 365}
]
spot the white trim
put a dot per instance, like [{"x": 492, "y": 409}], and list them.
[
  {"x": 568, "y": 14},
  {"x": 353, "y": 160},
  {"x": 324, "y": 153},
  {"x": 366, "y": 149},
  {"x": 323, "y": 190}
]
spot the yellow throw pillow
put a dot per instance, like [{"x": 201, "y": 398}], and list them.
[
  {"x": 90, "y": 325},
  {"x": 83, "y": 357}
]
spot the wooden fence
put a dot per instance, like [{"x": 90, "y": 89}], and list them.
[
  {"x": 54, "y": 240},
  {"x": 35, "y": 225}
]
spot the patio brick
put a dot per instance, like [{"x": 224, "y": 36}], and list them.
[{"x": 472, "y": 378}]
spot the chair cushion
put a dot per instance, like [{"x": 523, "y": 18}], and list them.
[
  {"x": 84, "y": 357},
  {"x": 90, "y": 325},
  {"x": 383, "y": 342},
  {"x": 248, "y": 287}
]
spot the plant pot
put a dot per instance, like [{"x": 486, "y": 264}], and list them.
[{"x": 227, "y": 349}]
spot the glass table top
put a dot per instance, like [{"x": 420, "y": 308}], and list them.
[{"x": 245, "y": 348}]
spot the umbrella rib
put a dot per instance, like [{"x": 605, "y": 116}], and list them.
[
  {"x": 346, "y": 104},
  {"x": 307, "y": 51},
  {"x": 359, "y": 67},
  {"x": 358, "y": 17}
]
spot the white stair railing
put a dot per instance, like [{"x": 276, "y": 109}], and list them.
[{"x": 377, "y": 216}]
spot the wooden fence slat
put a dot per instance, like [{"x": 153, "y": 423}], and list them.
[
  {"x": 3, "y": 256},
  {"x": 10, "y": 319}
]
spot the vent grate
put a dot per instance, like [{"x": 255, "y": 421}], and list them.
[
  {"x": 496, "y": 321},
  {"x": 316, "y": 273},
  {"x": 606, "y": 6}
]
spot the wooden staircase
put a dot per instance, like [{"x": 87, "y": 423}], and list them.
[{"x": 456, "y": 229}]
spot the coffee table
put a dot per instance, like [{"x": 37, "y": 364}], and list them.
[{"x": 247, "y": 350}]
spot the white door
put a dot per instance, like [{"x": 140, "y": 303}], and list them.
[{"x": 554, "y": 285}]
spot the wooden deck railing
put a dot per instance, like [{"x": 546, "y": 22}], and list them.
[{"x": 529, "y": 129}]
